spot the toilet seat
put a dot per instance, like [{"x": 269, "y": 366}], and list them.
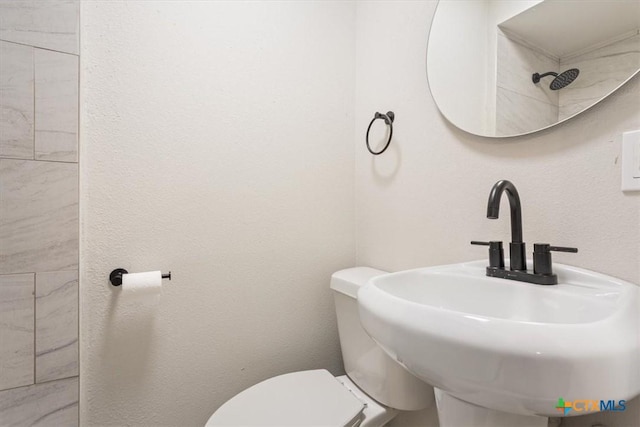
[{"x": 307, "y": 398}]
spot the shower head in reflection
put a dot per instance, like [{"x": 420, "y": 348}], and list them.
[{"x": 561, "y": 80}]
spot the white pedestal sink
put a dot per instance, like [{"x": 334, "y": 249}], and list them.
[{"x": 502, "y": 352}]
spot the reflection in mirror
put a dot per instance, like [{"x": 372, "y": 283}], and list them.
[{"x": 504, "y": 68}]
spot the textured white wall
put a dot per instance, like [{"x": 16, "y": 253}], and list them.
[
  {"x": 216, "y": 143},
  {"x": 421, "y": 203}
]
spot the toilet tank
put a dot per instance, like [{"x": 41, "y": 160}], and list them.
[{"x": 365, "y": 362}]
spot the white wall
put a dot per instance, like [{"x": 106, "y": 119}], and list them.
[
  {"x": 216, "y": 143},
  {"x": 421, "y": 203}
]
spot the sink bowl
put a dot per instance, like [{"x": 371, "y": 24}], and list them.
[{"x": 506, "y": 345}]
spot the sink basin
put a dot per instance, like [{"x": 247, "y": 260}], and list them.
[{"x": 506, "y": 345}]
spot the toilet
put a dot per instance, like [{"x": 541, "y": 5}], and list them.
[{"x": 374, "y": 391}]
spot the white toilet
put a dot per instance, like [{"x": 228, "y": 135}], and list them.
[{"x": 372, "y": 393}]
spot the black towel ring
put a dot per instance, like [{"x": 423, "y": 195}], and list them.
[{"x": 388, "y": 119}]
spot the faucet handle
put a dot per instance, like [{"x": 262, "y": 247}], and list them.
[
  {"x": 496, "y": 253},
  {"x": 563, "y": 249},
  {"x": 542, "y": 257},
  {"x": 545, "y": 247}
]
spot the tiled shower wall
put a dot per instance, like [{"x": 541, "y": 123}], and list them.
[
  {"x": 39, "y": 212},
  {"x": 522, "y": 106},
  {"x": 601, "y": 71}
]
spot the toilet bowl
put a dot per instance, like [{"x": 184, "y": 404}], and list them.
[{"x": 374, "y": 391}]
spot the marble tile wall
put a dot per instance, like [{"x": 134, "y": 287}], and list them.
[
  {"x": 16, "y": 330},
  {"x": 517, "y": 113},
  {"x": 53, "y": 404},
  {"x": 521, "y": 105},
  {"x": 16, "y": 101},
  {"x": 601, "y": 71},
  {"x": 39, "y": 212},
  {"x": 48, "y": 24},
  {"x": 56, "y": 325},
  {"x": 56, "y": 106},
  {"x": 38, "y": 216}
]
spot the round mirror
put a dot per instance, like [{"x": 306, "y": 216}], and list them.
[{"x": 501, "y": 68}]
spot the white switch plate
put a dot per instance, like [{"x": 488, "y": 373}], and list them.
[{"x": 631, "y": 161}]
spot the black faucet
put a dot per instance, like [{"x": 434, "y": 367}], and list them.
[
  {"x": 542, "y": 272},
  {"x": 517, "y": 249}
]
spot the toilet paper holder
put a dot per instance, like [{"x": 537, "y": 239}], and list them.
[{"x": 116, "y": 276}]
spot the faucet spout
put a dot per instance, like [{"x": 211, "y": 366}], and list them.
[
  {"x": 493, "y": 207},
  {"x": 517, "y": 246}
]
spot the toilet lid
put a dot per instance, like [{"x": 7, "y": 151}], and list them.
[{"x": 307, "y": 398}]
